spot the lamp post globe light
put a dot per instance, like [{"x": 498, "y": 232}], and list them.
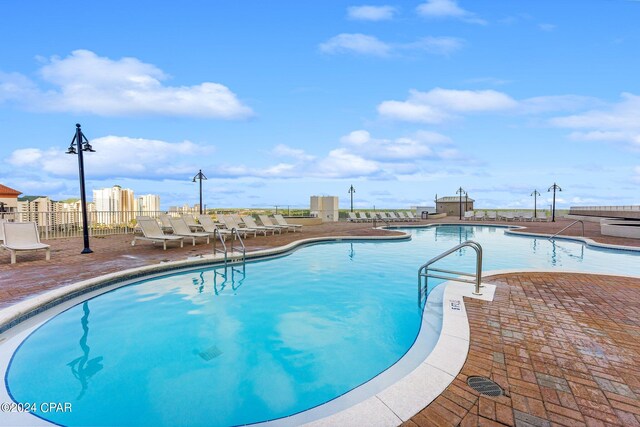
[
  {"x": 554, "y": 187},
  {"x": 535, "y": 194},
  {"x": 80, "y": 144},
  {"x": 200, "y": 176},
  {"x": 351, "y": 191},
  {"x": 460, "y": 192}
]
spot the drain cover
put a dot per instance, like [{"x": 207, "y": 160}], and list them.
[{"x": 485, "y": 386}]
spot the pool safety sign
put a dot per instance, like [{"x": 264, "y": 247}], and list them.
[{"x": 455, "y": 304}]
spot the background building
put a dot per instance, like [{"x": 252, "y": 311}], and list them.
[
  {"x": 149, "y": 203},
  {"x": 451, "y": 205},
  {"x": 115, "y": 205},
  {"x": 8, "y": 201},
  {"x": 38, "y": 209},
  {"x": 325, "y": 207}
]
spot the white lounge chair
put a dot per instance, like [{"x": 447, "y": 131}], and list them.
[
  {"x": 166, "y": 224},
  {"x": 210, "y": 227},
  {"x": 542, "y": 217},
  {"x": 283, "y": 222},
  {"x": 527, "y": 216},
  {"x": 479, "y": 216},
  {"x": 250, "y": 223},
  {"x": 151, "y": 231},
  {"x": 468, "y": 215},
  {"x": 22, "y": 236},
  {"x": 352, "y": 217},
  {"x": 191, "y": 222},
  {"x": 2, "y": 230},
  {"x": 411, "y": 216},
  {"x": 180, "y": 228},
  {"x": 228, "y": 222},
  {"x": 266, "y": 221},
  {"x": 363, "y": 217},
  {"x": 404, "y": 216},
  {"x": 492, "y": 216},
  {"x": 509, "y": 216}
]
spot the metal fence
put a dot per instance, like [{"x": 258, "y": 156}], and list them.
[
  {"x": 55, "y": 225},
  {"x": 605, "y": 208}
]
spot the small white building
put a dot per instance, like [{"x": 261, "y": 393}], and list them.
[{"x": 324, "y": 207}]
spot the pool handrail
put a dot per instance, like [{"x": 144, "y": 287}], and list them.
[
  {"x": 424, "y": 269},
  {"x": 223, "y": 251},
  {"x": 236, "y": 235},
  {"x": 570, "y": 225}
]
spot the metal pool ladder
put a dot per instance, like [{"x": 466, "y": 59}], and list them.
[
  {"x": 426, "y": 270},
  {"x": 570, "y": 225},
  {"x": 223, "y": 250}
]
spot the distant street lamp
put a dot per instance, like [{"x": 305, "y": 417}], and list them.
[
  {"x": 351, "y": 191},
  {"x": 554, "y": 187},
  {"x": 200, "y": 176},
  {"x": 80, "y": 144},
  {"x": 460, "y": 192},
  {"x": 466, "y": 200},
  {"x": 535, "y": 195}
]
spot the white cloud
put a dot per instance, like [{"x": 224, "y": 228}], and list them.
[
  {"x": 282, "y": 150},
  {"x": 363, "y": 44},
  {"x": 360, "y": 155},
  {"x": 371, "y": 13},
  {"x": 87, "y": 83},
  {"x": 355, "y": 43},
  {"x": 436, "y": 45},
  {"x": 547, "y": 27},
  {"x": 387, "y": 150},
  {"x": 116, "y": 156},
  {"x": 410, "y": 111},
  {"x": 439, "y": 104},
  {"x": 616, "y": 123},
  {"x": 551, "y": 103},
  {"x": 447, "y": 9},
  {"x": 25, "y": 157},
  {"x": 356, "y": 137},
  {"x": 340, "y": 163}
]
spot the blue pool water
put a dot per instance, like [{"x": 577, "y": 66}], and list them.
[{"x": 286, "y": 335}]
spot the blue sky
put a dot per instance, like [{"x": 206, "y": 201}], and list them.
[{"x": 277, "y": 101}]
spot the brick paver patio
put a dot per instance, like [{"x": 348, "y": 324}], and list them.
[{"x": 566, "y": 347}]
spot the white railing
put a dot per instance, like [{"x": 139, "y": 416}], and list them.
[
  {"x": 605, "y": 208},
  {"x": 55, "y": 225}
]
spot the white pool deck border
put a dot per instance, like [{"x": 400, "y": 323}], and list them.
[{"x": 392, "y": 406}]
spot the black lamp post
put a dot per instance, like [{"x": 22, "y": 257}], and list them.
[
  {"x": 554, "y": 187},
  {"x": 535, "y": 195},
  {"x": 80, "y": 144},
  {"x": 351, "y": 191},
  {"x": 200, "y": 176},
  {"x": 466, "y": 201},
  {"x": 460, "y": 192}
]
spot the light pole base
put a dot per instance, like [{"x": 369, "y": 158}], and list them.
[{"x": 86, "y": 251}]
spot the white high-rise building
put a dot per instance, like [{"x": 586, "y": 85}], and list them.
[
  {"x": 148, "y": 204},
  {"x": 115, "y": 205}
]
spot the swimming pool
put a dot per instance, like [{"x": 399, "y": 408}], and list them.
[{"x": 285, "y": 335}]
